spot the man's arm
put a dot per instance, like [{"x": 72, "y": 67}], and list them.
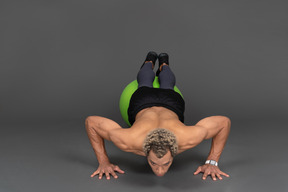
[
  {"x": 98, "y": 129},
  {"x": 217, "y": 128}
]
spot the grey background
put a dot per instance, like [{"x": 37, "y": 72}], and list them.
[{"x": 61, "y": 61}]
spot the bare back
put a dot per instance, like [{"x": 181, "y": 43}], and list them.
[{"x": 158, "y": 117}]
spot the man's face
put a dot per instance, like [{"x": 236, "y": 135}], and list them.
[{"x": 159, "y": 166}]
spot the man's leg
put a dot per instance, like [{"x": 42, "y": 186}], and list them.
[
  {"x": 166, "y": 77},
  {"x": 146, "y": 75}
]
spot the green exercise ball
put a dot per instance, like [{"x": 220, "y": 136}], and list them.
[{"x": 127, "y": 94}]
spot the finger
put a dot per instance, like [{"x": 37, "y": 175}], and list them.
[
  {"x": 116, "y": 168},
  {"x": 197, "y": 171},
  {"x": 100, "y": 175},
  {"x": 107, "y": 175},
  {"x": 219, "y": 176},
  {"x": 205, "y": 175},
  {"x": 213, "y": 176},
  {"x": 95, "y": 173},
  {"x": 225, "y": 174},
  {"x": 114, "y": 174}
]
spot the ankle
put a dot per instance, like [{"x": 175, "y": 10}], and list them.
[
  {"x": 163, "y": 64},
  {"x": 150, "y": 62}
]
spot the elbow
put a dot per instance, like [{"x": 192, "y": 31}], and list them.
[
  {"x": 92, "y": 122},
  {"x": 88, "y": 121},
  {"x": 227, "y": 124},
  {"x": 92, "y": 119},
  {"x": 226, "y": 121},
  {"x": 224, "y": 124}
]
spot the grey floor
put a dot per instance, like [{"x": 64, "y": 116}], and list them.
[
  {"x": 61, "y": 61},
  {"x": 57, "y": 156}
]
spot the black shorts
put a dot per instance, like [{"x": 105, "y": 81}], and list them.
[{"x": 145, "y": 97}]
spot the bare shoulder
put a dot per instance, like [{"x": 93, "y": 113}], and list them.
[
  {"x": 213, "y": 121},
  {"x": 189, "y": 137},
  {"x": 214, "y": 124}
]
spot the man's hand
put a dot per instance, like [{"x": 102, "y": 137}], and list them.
[
  {"x": 107, "y": 169},
  {"x": 210, "y": 170}
]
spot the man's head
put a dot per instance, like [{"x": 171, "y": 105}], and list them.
[{"x": 160, "y": 146}]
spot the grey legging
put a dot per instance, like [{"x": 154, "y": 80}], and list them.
[{"x": 146, "y": 76}]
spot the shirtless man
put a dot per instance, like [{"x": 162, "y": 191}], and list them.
[{"x": 157, "y": 131}]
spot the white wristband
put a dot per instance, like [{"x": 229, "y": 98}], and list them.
[{"x": 211, "y": 162}]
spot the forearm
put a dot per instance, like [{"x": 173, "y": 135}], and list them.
[
  {"x": 218, "y": 143},
  {"x": 97, "y": 143}
]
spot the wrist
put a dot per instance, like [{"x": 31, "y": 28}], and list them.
[
  {"x": 213, "y": 156},
  {"x": 103, "y": 160},
  {"x": 211, "y": 162}
]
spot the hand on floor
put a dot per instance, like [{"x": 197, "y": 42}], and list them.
[
  {"x": 107, "y": 169},
  {"x": 210, "y": 170}
]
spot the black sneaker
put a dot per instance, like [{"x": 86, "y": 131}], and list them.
[
  {"x": 151, "y": 56},
  {"x": 162, "y": 58}
]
